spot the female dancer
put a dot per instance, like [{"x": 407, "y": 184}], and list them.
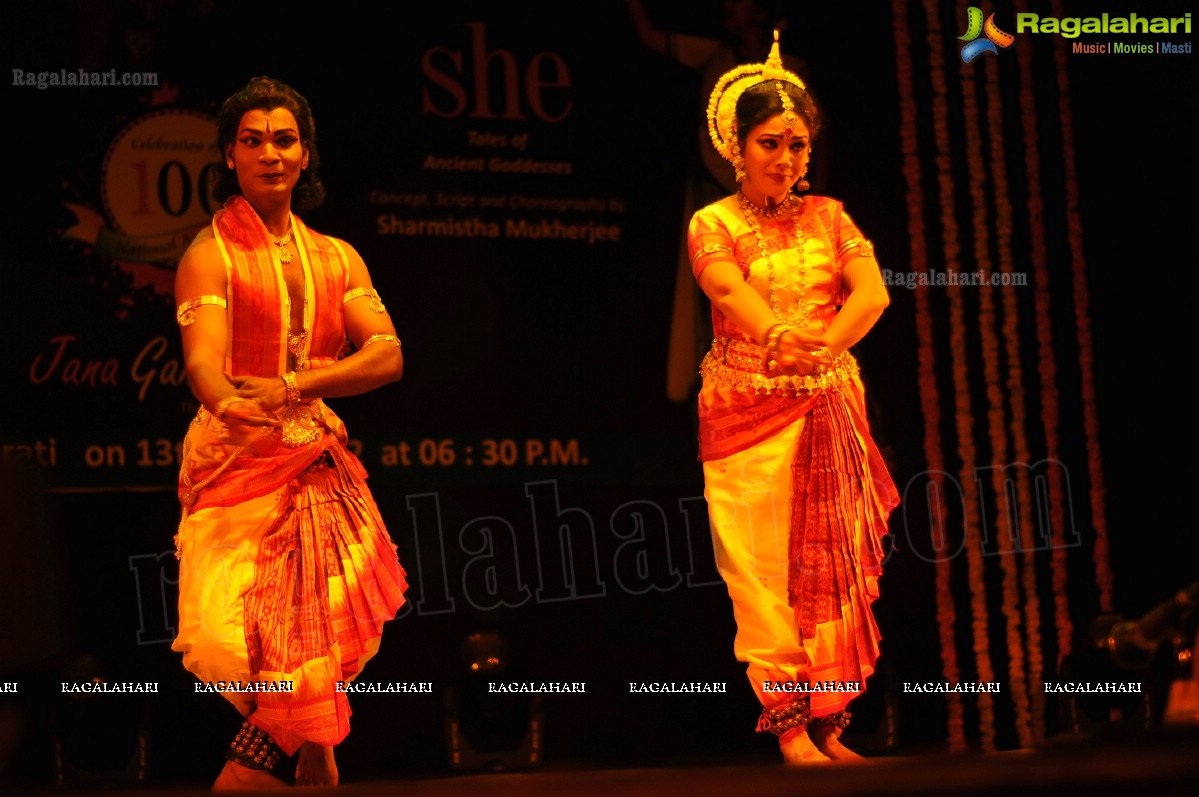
[{"x": 798, "y": 494}]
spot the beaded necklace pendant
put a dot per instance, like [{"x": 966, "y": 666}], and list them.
[
  {"x": 281, "y": 243},
  {"x": 793, "y": 205},
  {"x": 297, "y": 342}
]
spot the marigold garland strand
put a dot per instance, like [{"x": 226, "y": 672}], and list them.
[
  {"x": 1047, "y": 367},
  {"x": 1082, "y": 319},
  {"x": 1018, "y": 417},
  {"x": 1000, "y": 524},
  {"x": 963, "y": 414},
  {"x": 926, "y": 368}
]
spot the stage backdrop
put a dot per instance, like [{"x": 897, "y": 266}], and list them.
[{"x": 514, "y": 177}]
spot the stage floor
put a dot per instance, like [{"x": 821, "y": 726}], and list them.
[{"x": 1161, "y": 763}]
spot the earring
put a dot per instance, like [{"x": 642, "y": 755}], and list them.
[{"x": 803, "y": 184}]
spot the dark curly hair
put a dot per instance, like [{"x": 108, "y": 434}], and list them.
[
  {"x": 265, "y": 94},
  {"x": 759, "y": 103}
]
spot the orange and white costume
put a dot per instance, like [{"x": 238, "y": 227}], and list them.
[
  {"x": 287, "y": 573},
  {"x": 798, "y": 493}
]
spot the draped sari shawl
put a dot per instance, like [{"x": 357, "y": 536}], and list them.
[{"x": 257, "y": 332}]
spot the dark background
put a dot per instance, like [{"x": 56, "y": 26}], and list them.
[{"x": 546, "y": 340}]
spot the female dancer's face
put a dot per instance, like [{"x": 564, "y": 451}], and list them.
[
  {"x": 267, "y": 155},
  {"x": 775, "y": 158}
]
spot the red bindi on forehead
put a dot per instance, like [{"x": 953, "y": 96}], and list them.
[
  {"x": 777, "y": 127},
  {"x": 785, "y": 134}
]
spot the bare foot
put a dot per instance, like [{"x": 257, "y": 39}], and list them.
[
  {"x": 235, "y": 777},
  {"x": 798, "y": 750},
  {"x": 316, "y": 766},
  {"x": 828, "y": 740}
]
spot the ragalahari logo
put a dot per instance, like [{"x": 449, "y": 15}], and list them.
[{"x": 994, "y": 37}]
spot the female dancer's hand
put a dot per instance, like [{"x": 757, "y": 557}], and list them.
[{"x": 802, "y": 351}]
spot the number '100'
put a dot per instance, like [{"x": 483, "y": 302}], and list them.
[{"x": 183, "y": 186}]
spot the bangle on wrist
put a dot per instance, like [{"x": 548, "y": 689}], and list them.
[
  {"x": 223, "y": 406},
  {"x": 293, "y": 390},
  {"x": 773, "y": 336},
  {"x": 772, "y": 333},
  {"x": 824, "y": 359}
]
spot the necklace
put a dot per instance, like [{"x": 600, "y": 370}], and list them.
[
  {"x": 281, "y": 243},
  {"x": 794, "y": 206},
  {"x": 787, "y": 205},
  {"x": 297, "y": 342}
]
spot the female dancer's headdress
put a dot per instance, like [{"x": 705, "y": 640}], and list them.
[{"x": 722, "y": 105}]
